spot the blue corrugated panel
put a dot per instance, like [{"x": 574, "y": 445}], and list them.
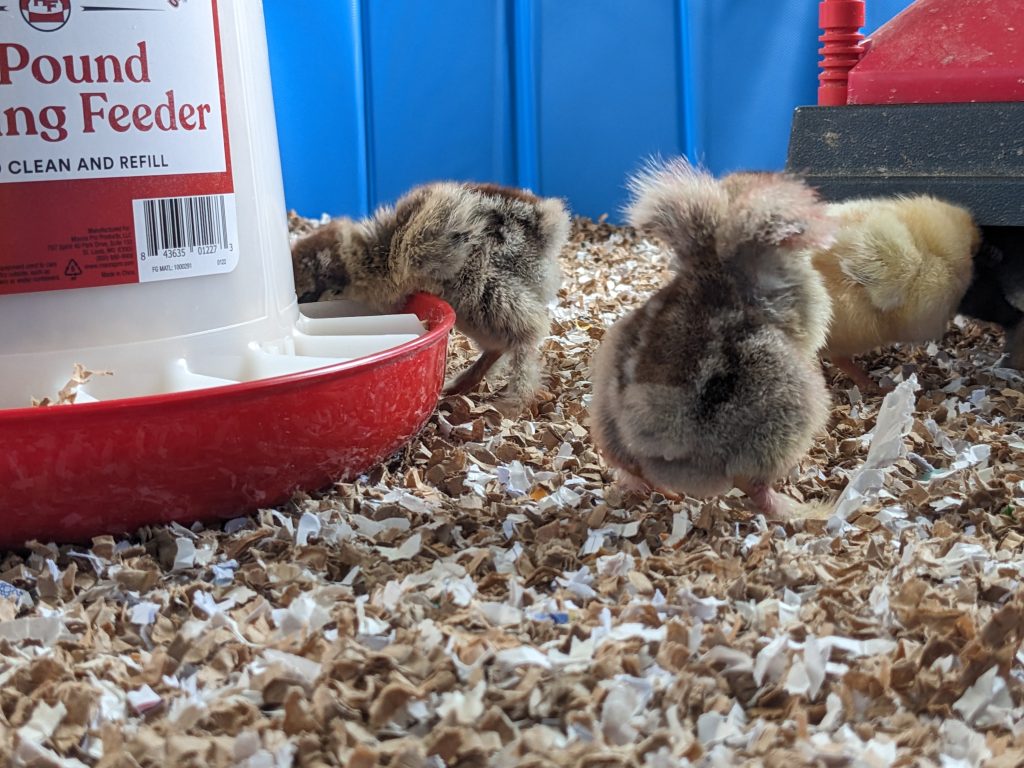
[
  {"x": 440, "y": 103},
  {"x": 753, "y": 64},
  {"x": 316, "y": 65},
  {"x": 609, "y": 91},
  {"x": 563, "y": 96},
  {"x": 880, "y": 11}
]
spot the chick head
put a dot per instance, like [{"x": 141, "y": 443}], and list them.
[{"x": 325, "y": 259}]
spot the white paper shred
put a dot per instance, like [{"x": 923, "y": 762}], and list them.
[
  {"x": 500, "y": 614},
  {"x": 894, "y": 422},
  {"x": 31, "y": 754},
  {"x": 618, "y": 564},
  {"x": 43, "y": 722},
  {"x": 620, "y": 705},
  {"x": 961, "y": 746},
  {"x": 309, "y": 525},
  {"x": 407, "y": 501},
  {"x": 236, "y": 524},
  {"x": 45, "y": 630},
  {"x": 144, "y": 613},
  {"x": 185, "y": 556},
  {"x": 522, "y": 656},
  {"x": 224, "y": 573},
  {"x": 713, "y": 727},
  {"x": 770, "y": 662},
  {"x": 704, "y": 608},
  {"x": 144, "y": 699},
  {"x": 562, "y": 498},
  {"x": 408, "y": 549},
  {"x": 987, "y": 703},
  {"x": 953, "y": 562},
  {"x": 369, "y": 625},
  {"x": 371, "y": 529},
  {"x": 306, "y": 669},
  {"x": 681, "y": 527},
  {"x": 206, "y": 603},
  {"x": 516, "y": 478},
  {"x": 579, "y": 583},
  {"x": 464, "y": 708},
  {"x": 304, "y": 613}
]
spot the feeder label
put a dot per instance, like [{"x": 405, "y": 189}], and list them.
[{"x": 114, "y": 158}]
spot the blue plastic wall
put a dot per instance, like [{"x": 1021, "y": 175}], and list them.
[{"x": 566, "y": 97}]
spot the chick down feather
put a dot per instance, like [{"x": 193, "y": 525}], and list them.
[
  {"x": 489, "y": 251},
  {"x": 897, "y": 270},
  {"x": 714, "y": 381}
]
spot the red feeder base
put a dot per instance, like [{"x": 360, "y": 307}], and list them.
[{"x": 68, "y": 473}]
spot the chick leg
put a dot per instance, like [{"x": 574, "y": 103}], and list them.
[
  {"x": 523, "y": 381},
  {"x": 468, "y": 380},
  {"x": 1015, "y": 346},
  {"x": 857, "y": 374},
  {"x": 630, "y": 480}
]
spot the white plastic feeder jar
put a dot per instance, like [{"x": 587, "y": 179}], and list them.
[{"x": 167, "y": 332}]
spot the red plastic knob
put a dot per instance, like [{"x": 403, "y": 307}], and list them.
[{"x": 840, "y": 22}]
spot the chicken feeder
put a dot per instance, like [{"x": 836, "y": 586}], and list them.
[{"x": 144, "y": 235}]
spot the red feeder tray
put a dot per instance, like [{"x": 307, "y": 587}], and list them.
[{"x": 68, "y": 473}]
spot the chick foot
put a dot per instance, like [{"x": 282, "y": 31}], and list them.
[
  {"x": 631, "y": 481},
  {"x": 767, "y": 500}
]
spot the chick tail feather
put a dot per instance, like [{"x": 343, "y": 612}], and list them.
[
  {"x": 735, "y": 223},
  {"x": 682, "y": 206}
]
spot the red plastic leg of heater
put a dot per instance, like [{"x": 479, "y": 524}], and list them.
[{"x": 841, "y": 49}]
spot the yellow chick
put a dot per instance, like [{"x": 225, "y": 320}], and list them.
[{"x": 896, "y": 272}]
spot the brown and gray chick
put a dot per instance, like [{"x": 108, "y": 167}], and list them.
[
  {"x": 491, "y": 252},
  {"x": 714, "y": 382}
]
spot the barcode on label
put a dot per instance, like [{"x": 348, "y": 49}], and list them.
[
  {"x": 185, "y": 222},
  {"x": 185, "y": 236}
]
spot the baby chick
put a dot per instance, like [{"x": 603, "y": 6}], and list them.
[
  {"x": 714, "y": 381},
  {"x": 996, "y": 294},
  {"x": 896, "y": 273},
  {"x": 491, "y": 252}
]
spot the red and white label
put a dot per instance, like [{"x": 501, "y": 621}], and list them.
[{"x": 114, "y": 159}]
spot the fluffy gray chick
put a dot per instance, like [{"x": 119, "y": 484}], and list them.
[
  {"x": 491, "y": 252},
  {"x": 714, "y": 382}
]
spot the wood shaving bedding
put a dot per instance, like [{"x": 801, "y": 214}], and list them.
[
  {"x": 69, "y": 392},
  {"x": 490, "y": 598}
]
